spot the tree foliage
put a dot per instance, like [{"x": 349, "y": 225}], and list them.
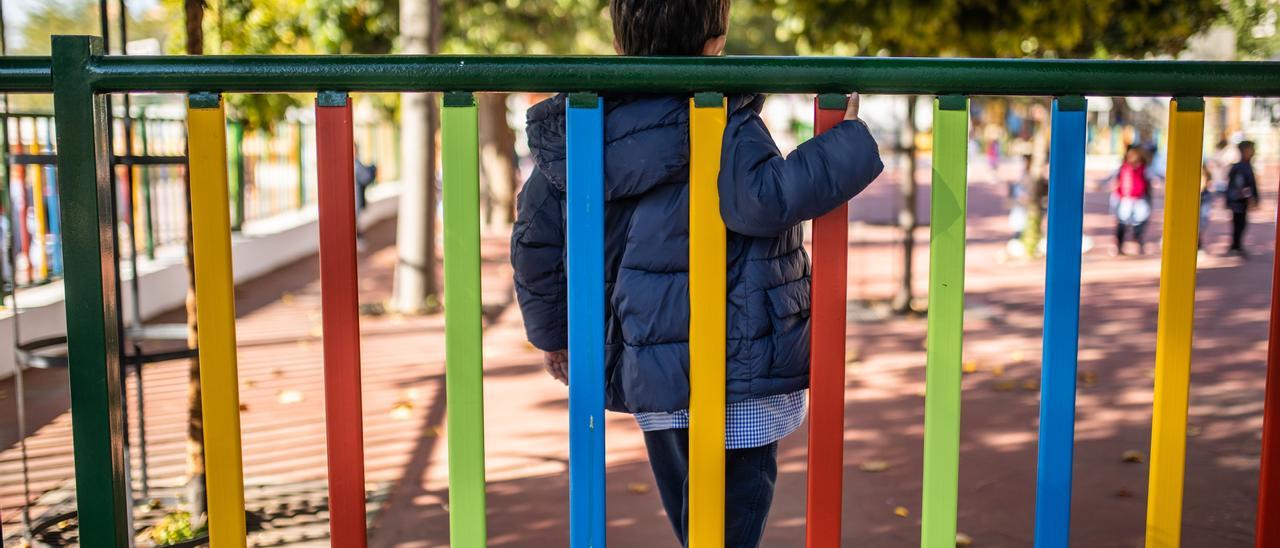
[
  {"x": 1004, "y": 28},
  {"x": 1255, "y": 25},
  {"x": 509, "y": 27}
]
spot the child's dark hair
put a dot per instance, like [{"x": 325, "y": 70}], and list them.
[
  {"x": 667, "y": 27},
  {"x": 1245, "y": 145}
]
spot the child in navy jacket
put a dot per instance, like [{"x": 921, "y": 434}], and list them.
[{"x": 763, "y": 199}]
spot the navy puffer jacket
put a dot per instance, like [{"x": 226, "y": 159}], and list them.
[{"x": 763, "y": 199}]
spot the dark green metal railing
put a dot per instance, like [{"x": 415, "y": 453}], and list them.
[
  {"x": 887, "y": 75},
  {"x": 78, "y": 75}
]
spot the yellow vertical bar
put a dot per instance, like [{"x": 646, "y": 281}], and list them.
[
  {"x": 216, "y": 312},
  {"x": 38, "y": 203},
  {"x": 707, "y": 289},
  {"x": 1173, "y": 332}
]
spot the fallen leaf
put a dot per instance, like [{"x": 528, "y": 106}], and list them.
[
  {"x": 1133, "y": 455},
  {"x": 1030, "y": 385},
  {"x": 1124, "y": 493},
  {"x": 1088, "y": 378},
  {"x": 873, "y": 466},
  {"x": 637, "y": 488},
  {"x": 287, "y": 397},
  {"x": 244, "y": 407},
  {"x": 1018, "y": 356},
  {"x": 963, "y": 540},
  {"x": 901, "y": 512},
  {"x": 1193, "y": 430},
  {"x": 970, "y": 366},
  {"x": 402, "y": 410},
  {"x": 1006, "y": 386},
  {"x": 286, "y": 298},
  {"x": 852, "y": 357},
  {"x": 997, "y": 370}
]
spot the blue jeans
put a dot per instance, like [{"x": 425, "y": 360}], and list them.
[{"x": 749, "y": 478}]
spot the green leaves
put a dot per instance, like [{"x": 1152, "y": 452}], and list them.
[{"x": 1004, "y": 28}]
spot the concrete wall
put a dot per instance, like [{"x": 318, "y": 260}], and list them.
[{"x": 262, "y": 247}]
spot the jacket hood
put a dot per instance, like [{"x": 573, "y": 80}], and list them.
[{"x": 646, "y": 140}]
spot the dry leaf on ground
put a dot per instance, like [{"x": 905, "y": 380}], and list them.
[
  {"x": 1133, "y": 455},
  {"x": 873, "y": 466},
  {"x": 402, "y": 410}
]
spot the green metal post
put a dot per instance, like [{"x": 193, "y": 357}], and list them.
[
  {"x": 150, "y": 227},
  {"x": 93, "y": 336},
  {"x": 463, "y": 338},
  {"x": 235, "y": 172}
]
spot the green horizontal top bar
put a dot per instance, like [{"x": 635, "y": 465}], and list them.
[
  {"x": 612, "y": 74},
  {"x": 21, "y": 74}
]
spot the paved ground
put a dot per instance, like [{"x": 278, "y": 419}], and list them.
[{"x": 526, "y": 410}]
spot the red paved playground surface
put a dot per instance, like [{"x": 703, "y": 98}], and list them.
[{"x": 280, "y": 375}]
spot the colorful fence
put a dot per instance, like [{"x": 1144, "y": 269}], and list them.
[{"x": 80, "y": 76}]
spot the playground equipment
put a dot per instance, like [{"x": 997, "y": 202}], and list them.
[{"x": 80, "y": 75}]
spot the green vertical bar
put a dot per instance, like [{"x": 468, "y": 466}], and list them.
[
  {"x": 235, "y": 172},
  {"x": 946, "y": 323},
  {"x": 464, "y": 391},
  {"x": 93, "y": 338}
]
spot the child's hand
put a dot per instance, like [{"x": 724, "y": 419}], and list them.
[
  {"x": 851, "y": 111},
  {"x": 557, "y": 365}
]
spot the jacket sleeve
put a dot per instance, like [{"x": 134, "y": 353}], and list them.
[
  {"x": 763, "y": 194},
  {"x": 537, "y": 257},
  {"x": 1252, "y": 181}
]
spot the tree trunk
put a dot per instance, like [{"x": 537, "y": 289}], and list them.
[
  {"x": 196, "y": 495},
  {"x": 1038, "y": 177},
  {"x": 907, "y": 221},
  {"x": 417, "y": 288},
  {"x": 498, "y": 163}
]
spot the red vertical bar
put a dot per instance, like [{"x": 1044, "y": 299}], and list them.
[
  {"x": 24, "y": 237},
  {"x": 336, "y": 171},
  {"x": 1269, "y": 480},
  {"x": 826, "y": 355}
]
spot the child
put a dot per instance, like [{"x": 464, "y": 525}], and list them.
[
  {"x": 1242, "y": 195},
  {"x": 763, "y": 199},
  {"x": 1213, "y": 183},
  {"x": 1131, "y": 199}
]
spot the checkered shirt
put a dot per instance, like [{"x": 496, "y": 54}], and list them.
[{"x": 748, "y": 423}]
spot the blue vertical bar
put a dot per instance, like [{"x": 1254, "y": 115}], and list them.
[
  {"x": 54, "y": 242},
  {"x": 585, "y": 270},
  {"x": 1061, "y": 324}
]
